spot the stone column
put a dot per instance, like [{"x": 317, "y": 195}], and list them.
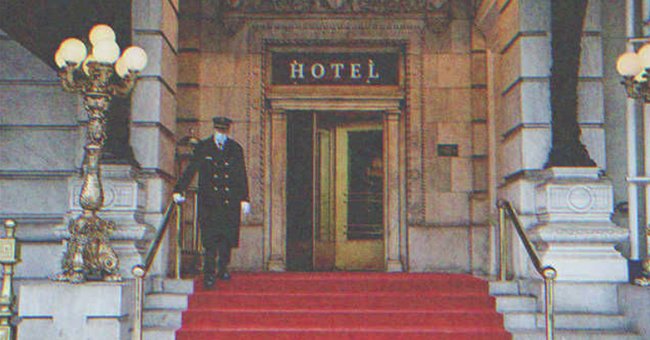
[
  {"x": 392, "y": 191},
  {"x": 567, "y": 20},
  {"x": 278, "y": 167}
]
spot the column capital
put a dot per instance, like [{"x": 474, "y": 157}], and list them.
[
  {"x": 393, "y": 113},
  {"x": 278, "y": 113}
]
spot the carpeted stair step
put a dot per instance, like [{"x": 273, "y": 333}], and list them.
[
  {"x": 324, "y": 301},
  {"x": 356, "y": 286},
  {"x": 328, "y": 334},
  {"x": 343, "y": 306},
  {"x": 392, "y": 319}
]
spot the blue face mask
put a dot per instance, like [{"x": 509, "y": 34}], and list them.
[{"x": 220, "y": 137}]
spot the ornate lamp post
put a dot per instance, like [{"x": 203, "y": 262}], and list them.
[
  {"x": 634, "y": 68},
  {"x": 98, "y": 76}
]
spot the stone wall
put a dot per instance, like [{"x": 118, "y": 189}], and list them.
[
  {"x": 455, "y": 235},
  {"x": 40, "y": 149}
]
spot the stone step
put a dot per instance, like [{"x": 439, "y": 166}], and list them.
[
  {"x": 566, "y": 321},
  {"x": 577, "y": 335},
  {"x": 163, "y": 318},
  {"x": 584, "y": 321},
  {"x": 159, "y": 333},
  {"x": 519, "y": 321},
  {"x": 166, "y": 301},
  {"x": 165, "y": 285},
  {"x": 498, "y": 288},
  {"x": 512, "y": 304}
]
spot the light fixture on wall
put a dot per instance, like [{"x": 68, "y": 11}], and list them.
[
  {"x": 98, "y": 76},
  {"x": 633, "y": 67}
]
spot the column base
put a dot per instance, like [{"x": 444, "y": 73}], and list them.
[
  {"x": 276, "y": 265},
  {"x": 583, "y": 253},
  {"x": 394, "y": 266},
  {"x": 574, "y": 208}
]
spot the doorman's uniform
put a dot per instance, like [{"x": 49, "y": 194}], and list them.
[{"x": 223, "y": 185}]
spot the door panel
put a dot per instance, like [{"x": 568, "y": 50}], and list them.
[
  {"x": 359, "y": 197},
  {"x": 324, "y": 238}
]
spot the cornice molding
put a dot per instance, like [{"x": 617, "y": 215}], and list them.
[
  {"x": 334, "y": 6},
  {"x": 235, "y": 14}
]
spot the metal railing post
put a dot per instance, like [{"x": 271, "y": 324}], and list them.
[
  {"x": 179, "y": 240},
  {"x": 138, "y": 274},
  {"x": 549, "y": 280},
  {"x": 548, "y": 272},
  {"x": 503, "y": 249},
  {"x": 8, "y": 258},
  {"x": 140, "y": 271}
]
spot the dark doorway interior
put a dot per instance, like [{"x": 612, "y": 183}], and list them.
[{"x": 300, "y": 191}]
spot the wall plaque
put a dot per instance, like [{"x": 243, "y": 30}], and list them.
[
  {"x": 334, "y": 68},
  {"x": 448, "y": 150}
]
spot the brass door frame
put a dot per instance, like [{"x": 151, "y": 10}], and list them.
[{"x": 275, "y": 155}]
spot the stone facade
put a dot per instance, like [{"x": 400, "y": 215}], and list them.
[{"x": 476, "y": 81}]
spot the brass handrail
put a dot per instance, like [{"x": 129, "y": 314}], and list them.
[
  {"x": 140, "y": 270},
  {"x": 548, "y": 272},
  {"x": 8, "y": 259}
]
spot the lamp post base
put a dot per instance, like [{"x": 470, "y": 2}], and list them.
[
  {"x": 88, "y": 253},
  {"x": 644, "y": 279}
]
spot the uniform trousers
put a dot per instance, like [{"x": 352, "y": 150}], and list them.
[{"x": 214, "y": 243}]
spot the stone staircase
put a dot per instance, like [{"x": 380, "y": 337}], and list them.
[
  {"x": 164, "y": 306},
  {"x": 524, "y": 317},
  {"x": 522, "y": 313}
]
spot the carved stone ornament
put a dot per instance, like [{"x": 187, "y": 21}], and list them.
[
  {"x": 436, "y": 12},
  {"x": 232, "y": 25},
  {"x": 336, "y": 4},
  {"x": 353, "y": 6}
]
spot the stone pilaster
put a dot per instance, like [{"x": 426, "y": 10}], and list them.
[
  {"x": 278, "y": 220},
  {"x": 393, "y": 192}
]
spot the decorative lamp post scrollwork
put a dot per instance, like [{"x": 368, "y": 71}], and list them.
[
  {"x": 98, "y": 76},
  {"x": 635, "y": 69}
]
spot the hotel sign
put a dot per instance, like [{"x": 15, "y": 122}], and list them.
[{"x": 335, "y": 68}]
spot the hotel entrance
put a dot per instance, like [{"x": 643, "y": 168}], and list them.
[{"x": 335, "y": 190}]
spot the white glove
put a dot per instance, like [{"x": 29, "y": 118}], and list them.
[
  {"x": 178, "y": 198},
  {"x": 245, "y": 207}
]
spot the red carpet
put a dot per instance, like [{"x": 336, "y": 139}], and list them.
[{"x": 343, "y": 306}]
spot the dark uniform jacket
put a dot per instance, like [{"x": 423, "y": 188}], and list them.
[{"x": 223, "y": 184}]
